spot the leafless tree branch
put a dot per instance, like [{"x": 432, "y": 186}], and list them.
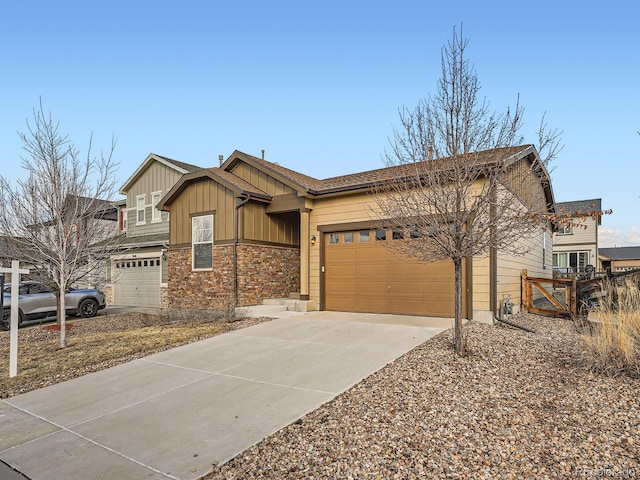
[{"x": 60, "y": 219}]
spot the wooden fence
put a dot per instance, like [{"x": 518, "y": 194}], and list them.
[{"x": 578, "y": 295}]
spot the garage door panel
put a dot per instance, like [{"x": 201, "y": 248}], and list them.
[
  {"x": 371, "y": 271},
  {"x": 371, "y": 288},
  {"x": 341, "y": 288},
  {"x": 407, "y": 269},
  {"x": 370, "y": 251},
  {"x": 371, "y": 304},
  {"x": 407, "y": 287},
  {"x": 338, "y": 270}
]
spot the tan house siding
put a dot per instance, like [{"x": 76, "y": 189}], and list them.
[{"x": 510, "y": 267}]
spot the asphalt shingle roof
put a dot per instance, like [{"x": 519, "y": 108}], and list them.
[
  {"x": 380, "y": 175},
  {"x": 185, "y": 166},
  {"x": 621, "y": 253},
  {"x": 578, "y": 206}
]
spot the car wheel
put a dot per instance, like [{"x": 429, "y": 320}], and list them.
[
  {"x": 88, "y": 308},
  {"x": 5, "y": 323}
]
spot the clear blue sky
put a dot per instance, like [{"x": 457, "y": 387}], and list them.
[{"x": 318, "y": 84}]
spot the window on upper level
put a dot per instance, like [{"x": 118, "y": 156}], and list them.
[
  {"x": 156, "y": 215},
  {"x": 140, "y": 207},
  {"x": 565, "y": 229},
  {"x": 123, "y": 219}
]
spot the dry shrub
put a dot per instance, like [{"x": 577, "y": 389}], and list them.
[
  {"x": 220, "y": 308},
  {"x": 613, "y": 347}
]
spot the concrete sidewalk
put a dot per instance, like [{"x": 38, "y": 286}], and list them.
[{"x": 173, "y": 414}]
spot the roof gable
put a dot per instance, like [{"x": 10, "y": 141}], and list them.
[
  {"x": 179, "y": 167},
  {"x": 240, "y": 187},
  {"x": 296, "y": 180}
]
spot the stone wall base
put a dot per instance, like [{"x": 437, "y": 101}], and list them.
[{"x": 264, "y": 271}]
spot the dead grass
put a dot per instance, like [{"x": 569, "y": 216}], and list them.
[
  {"x": 96, "y": 344},
  {"x": 613, "y": 347}
]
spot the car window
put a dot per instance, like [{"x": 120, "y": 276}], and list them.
[{"x": 38, "y": 288}]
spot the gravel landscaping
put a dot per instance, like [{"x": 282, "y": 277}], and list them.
[{"x": 520, "y": 406}]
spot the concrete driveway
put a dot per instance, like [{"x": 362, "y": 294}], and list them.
[{"x": 173, "y": 414}]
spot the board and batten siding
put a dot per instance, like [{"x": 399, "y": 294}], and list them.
[
  {"x": 203, "y": 196},
  {"x": 261, "y": 180},
  {"x": 156, "y": 178},
  {"x": 257, "y": 225}
]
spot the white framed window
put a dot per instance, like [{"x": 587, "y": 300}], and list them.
[
  {"x": 140, "y": 207},
  {"x": 570, "y": 262},
  {"x": 565, "y": 229},
  {"x": 156, "y": 215},
  {"x": 202, "y": 242}
]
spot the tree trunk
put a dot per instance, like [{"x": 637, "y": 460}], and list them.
[
  {"x": 62, "y": 316},
  {"x": 459, "y": 343}
]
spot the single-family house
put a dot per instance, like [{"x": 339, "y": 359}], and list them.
[
  {"x": 619, "y": 259},
  {"x": 139, "y": 271},
  {"x": 575, "y": 242},
  {"x": 253, "y": 229}
]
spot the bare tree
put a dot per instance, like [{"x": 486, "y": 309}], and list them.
[
  {"x": 460, "y": 183},
  {"x": 58, "y": 218}
]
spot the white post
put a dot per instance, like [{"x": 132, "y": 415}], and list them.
[{"x": 15, "y": 272}]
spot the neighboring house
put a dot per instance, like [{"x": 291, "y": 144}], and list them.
[
  {"x": 619, "y": 259},
  {"x": 575, "y": 244},
  {"x": 91, "y": 229},
  {"x": 253, "y": 229},
  {"x": 139, "y": 273}
]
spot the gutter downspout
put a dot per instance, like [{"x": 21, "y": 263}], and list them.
[
  {"x": 235, "y": 250},
  {"x": 493, "y": 259}
]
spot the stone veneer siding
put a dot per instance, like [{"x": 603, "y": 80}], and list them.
[{"x": 264, "y": 271}]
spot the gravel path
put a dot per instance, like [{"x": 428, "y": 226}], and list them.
[{"x": 520, "y": 406}]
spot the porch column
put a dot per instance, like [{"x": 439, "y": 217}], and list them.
[{"x": 304, "y": 254}]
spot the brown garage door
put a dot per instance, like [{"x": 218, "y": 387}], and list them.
[{"x": 362, "y": 275}]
